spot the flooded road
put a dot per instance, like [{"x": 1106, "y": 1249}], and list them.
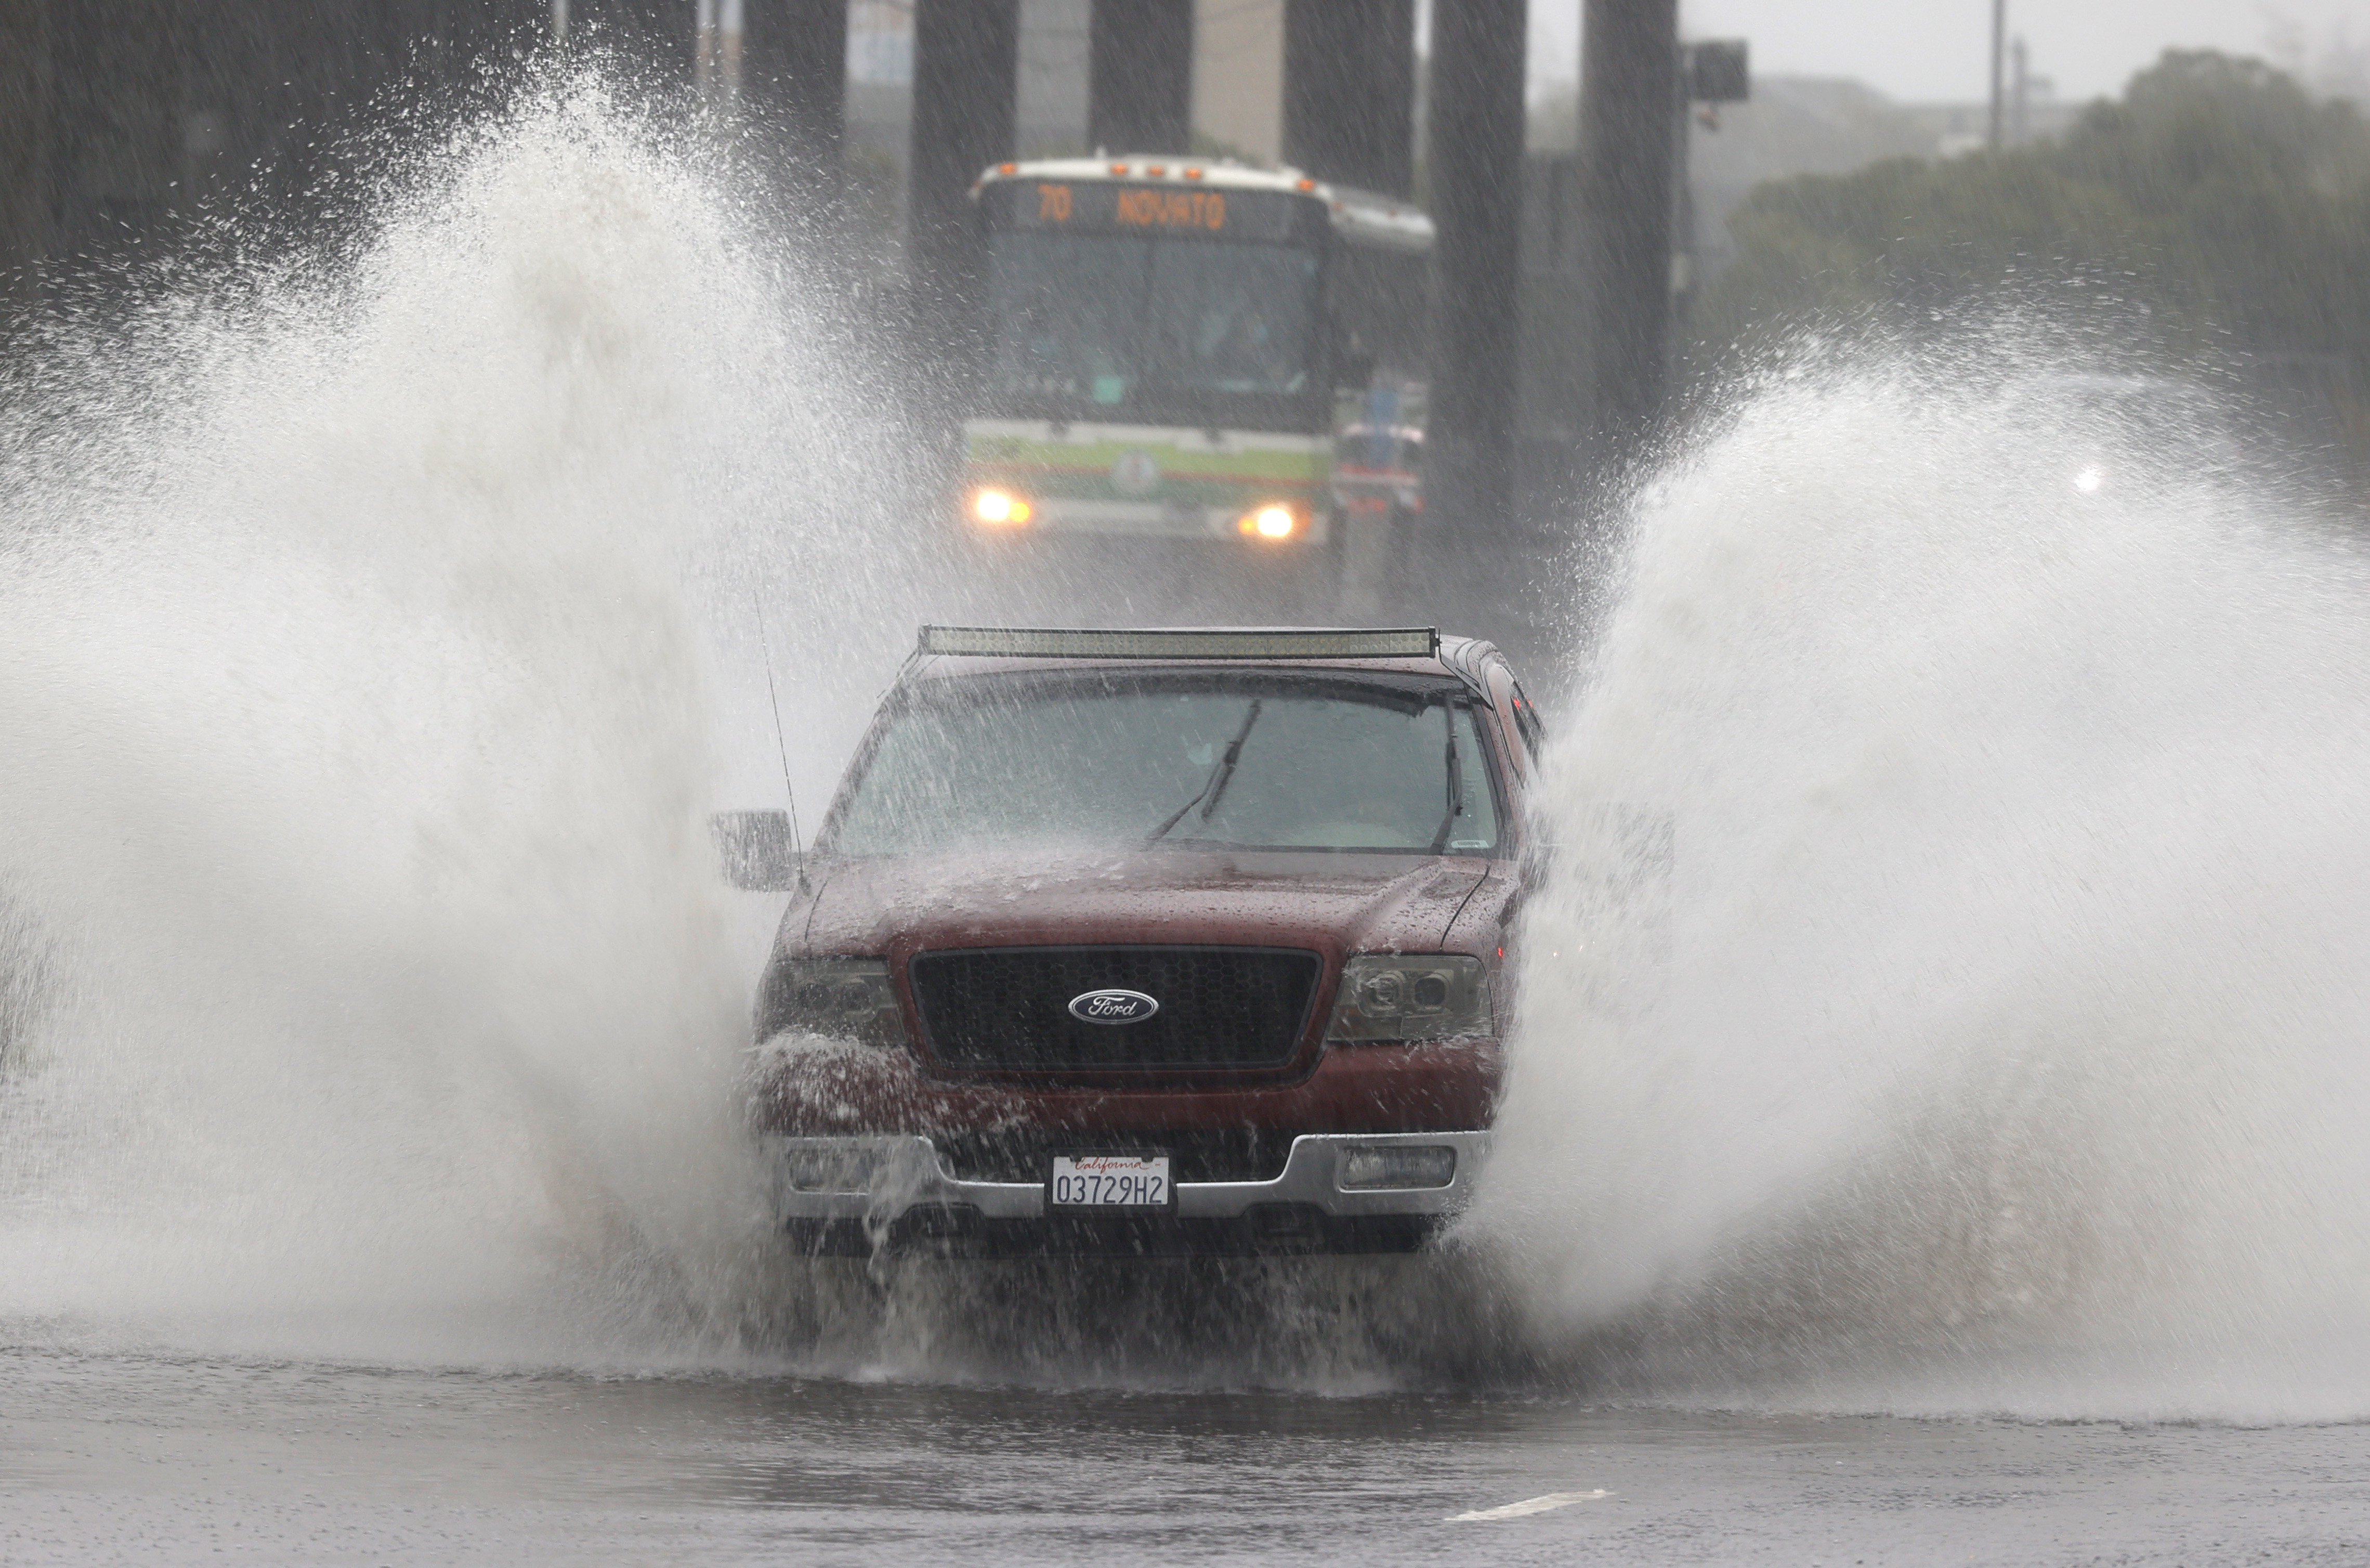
[{"x": 117, "y": 1458}]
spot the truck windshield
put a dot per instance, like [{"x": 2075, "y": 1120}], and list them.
[
  {"x": 1316, "y": 766},
  {"x": 1110, "y": 325}
]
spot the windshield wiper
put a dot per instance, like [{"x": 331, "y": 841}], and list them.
[
  {"x": 1214, "y": 786},
  {"x": 1456, "y": 784}
]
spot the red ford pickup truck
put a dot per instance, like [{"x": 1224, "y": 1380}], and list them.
[{"x": 1149, "y": 943}]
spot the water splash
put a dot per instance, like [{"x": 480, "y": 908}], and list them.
[
  {"x": 364, "y": 989},
  {"x": 378, "y": 630},
  {"x": 2000, "y": 1045},
  {"x": 359, "y": 713}
]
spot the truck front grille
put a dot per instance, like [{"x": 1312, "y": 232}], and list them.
[{"x": 1008, "y": 1009}]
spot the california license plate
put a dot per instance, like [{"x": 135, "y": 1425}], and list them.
[{"x": 1131, "y": 1182}]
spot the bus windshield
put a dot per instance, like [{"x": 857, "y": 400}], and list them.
[{"x": 1107, "y": 326}]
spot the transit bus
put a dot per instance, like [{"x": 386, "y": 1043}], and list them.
[{"x": 1174, "y": 346}]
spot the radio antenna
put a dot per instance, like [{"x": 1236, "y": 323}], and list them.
[{"x": 781, "y": 747}]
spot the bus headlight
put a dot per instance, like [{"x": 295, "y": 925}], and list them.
[
  {"x": 1275, "y": 521},
  {"x": 999, "y": 508}
]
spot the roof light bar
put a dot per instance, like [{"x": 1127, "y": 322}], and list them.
[{"x": 1213, "y": 642}]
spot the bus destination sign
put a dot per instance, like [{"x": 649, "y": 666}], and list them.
[
  {"x": 1109, "y": 207},
  {"x": 1147, "y": 208}
]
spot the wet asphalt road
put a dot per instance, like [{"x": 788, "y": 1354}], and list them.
[{"x": 165, "y": 1460}]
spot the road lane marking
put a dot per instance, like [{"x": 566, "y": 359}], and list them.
[{"x": 1530, "y": 1505}]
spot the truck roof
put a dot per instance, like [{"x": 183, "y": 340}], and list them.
[{"x": 954, "y": 652}]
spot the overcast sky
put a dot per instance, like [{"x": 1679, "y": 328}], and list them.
[{"x": 1940, "y": 50}]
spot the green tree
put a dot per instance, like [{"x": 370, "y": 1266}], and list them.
[{"x": 2217, "y": 193}]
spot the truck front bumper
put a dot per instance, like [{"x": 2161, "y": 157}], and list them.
[{"x": 858, "y": 1194}]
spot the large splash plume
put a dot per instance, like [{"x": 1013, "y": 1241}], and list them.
[
  {"x": 1992, "y": 1034},
  {"x": 366, "y": 976}
]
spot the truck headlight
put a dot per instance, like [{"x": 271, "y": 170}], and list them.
[
  {"x": 1435, "y": 996},
  {"x": 850, "y": 998}
]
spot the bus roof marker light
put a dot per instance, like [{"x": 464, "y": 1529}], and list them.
[
  {"x": 1305, "y": 185},
  {"x": 1155, "y": 170},
  {"x": 1192, "y": 174},
  {"x": 1119, "y": 168}
]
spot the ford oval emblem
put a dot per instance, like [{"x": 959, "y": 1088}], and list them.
[{"x": 1112, "y": 1006}]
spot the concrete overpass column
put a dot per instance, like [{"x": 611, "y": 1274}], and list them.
[
  {"x": 1140, "y": 76},
  {"x": 1475, "y": 189},
  {"x": 1349, "y": 91},
  {"x": 966, "y": 57},
  {"x": 794, "y": 84},
  {"x": 658, "y": 34},
  {"x": 25, "y": 136},
  {"x": 1628, "y": 105}
]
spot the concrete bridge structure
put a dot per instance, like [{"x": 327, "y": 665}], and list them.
[{"x": 117, "y": 115}]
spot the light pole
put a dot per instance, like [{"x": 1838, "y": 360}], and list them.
[{"x": 1999, "y": 40}]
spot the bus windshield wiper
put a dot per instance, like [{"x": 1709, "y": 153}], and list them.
[
  {"x": 1456, "y": 784},
  {"x": 1215, "y": 787}
]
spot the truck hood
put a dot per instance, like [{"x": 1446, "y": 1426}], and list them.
[{"x": 1334, "y": 904}]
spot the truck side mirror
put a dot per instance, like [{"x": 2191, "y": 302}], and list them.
[{"x": 757, "y": 850}]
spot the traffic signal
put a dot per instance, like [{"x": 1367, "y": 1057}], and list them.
[{"x": 1718, "y": 71}]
